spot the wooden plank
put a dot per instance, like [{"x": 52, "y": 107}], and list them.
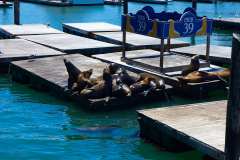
[
  {"x": 150, "y": 58},
  {"x": 201, "y": 126},
  {"x": 112, "y": 34},
  {"x": 137, "y": 41},
  {"x": 19, "y": 49},
  {"x": 113, "y": 2},
  {"x": 227, "y": 23},
  {"x": 50, "y": 74},
  {"x": 72, "y": 44},
  {"x": 11, "y": 31},
  {"x": 3, "y": 5},
  {"x": 232, "y": 148},
  {"x": 218, "y": 54},
  {"x": 88, "y": 28}
]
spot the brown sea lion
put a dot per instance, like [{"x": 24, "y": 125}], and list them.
[
  {"x": 201, "y": 76},
  {"x": 193, "y": 66},
  {"x": 77, "y": 80},
  {"x": 147, "y": 83}
]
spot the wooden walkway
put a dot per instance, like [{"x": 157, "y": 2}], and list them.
[
  {"x": 11, "y": 31},
  {"x": 111, "y": 34},
  {"x": 227, "y": 23},
  {"x": 200, "y": 126},
  {"x": 218, "y": 54},
  {"x": 72, "y": 44},
  {"x": 19, "y": 49},
  {"x": 5, "y": 5},
  {"x": 149, "y": 60},
  {"x": 113, "y": 2},
  {"x": 49, "y": 74},
  {"x": 152, "y": 1}
]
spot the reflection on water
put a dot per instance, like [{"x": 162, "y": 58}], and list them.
[{"x": 35, "y": 125}]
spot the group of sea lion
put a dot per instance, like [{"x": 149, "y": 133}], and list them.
[
  {"x": 193, "y": 75},
  {"x": 114, "y": 82}
]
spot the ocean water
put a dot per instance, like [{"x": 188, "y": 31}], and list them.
[
  {"x": 36, "y": 125},
  {"x": 55, "y": 16}
]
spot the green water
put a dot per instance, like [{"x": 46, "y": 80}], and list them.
[{"x": 35, "y": 125}]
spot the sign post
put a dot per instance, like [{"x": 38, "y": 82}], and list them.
[
  {"x": 16, "y": 12},
  {"x": 232, "y": 141}
]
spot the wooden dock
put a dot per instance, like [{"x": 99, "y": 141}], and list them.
[
  {"x": 199, "y": 126},
  {"x": 19, "y": 49},
  {"x": 111, "y": 34},
  {"x": 5, "y": 5},
  {"x": 218, "y": 54},
  {"x": 152, "y": 1},
  {"x": 58, "y": 3},
  {"x": 149, "y": 60},
  {"x": 227, "y": 23},
  {"x": 72, "y": 44},
  {"x": 113, "y": 2},
  {"x": 50, "y": 75},
  {"x": 12, "y": 31}
]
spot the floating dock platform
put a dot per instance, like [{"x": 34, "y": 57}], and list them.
[
  {"x": 218, "y": 54},
  {"x": 58, "y": 3},
  {"x": 227, "y": 23},
  {"x": 19, "y": 49},
  {"x": 199, "y": 126},
  {"x": 12, "y": 31},
  {"x": 5, "y": 5},
  {"x": 152, "y": 1},
  {"x": 72, "y": 44},
  {"x": 113, "y": 2},
  {"x": 149, "y": 60},
  {"x": 50, "y": 75},
  {"x": 112, "y": 34}
]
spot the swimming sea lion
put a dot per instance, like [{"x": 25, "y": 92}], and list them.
[
  {"x": 193, "y": 66},
  {"x": 201, "y": 76}
]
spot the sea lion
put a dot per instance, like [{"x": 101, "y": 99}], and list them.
[
  {"x": 73, "y": 72},
  {"x": 147, "y": 83},
  {"x": 201, "y": 76},
  {"x": 193, "y": 66},
  {"x": 77, "y": 80}
]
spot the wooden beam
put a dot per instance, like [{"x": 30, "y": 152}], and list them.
[
  {"x": 194, "y": 4},
  {"x": 16, "y": 12},
  {"x": 232, "y": 141}
]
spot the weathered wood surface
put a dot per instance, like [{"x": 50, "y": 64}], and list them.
[
  {"x": 201, "y": 126},
  {"x": 113, "y": 2},
  {"x": 3, "y": 5},
  {"x": 227, "y": 23},
  {"x": 113, "y": 34},
  {"x": 86, "y": 29},
  {"x": 218, "y": 54},
  {"x": 136, "y": 40},
  {"x": 72, "y": 44},
  {"x": 19, "y": 49},
  {"x": 50, "y": 74},
  {"x": 149, "y": 59},
  {"x": 232, "y": 148},
  {"x": 50, "y": 2},
  {"x": 11, "y": 31}
]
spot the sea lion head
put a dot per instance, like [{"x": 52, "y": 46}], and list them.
[
  {"x": 113, "y": 67},
  {"x": 141, "y": 86},
  {"x": 193, "y": 66}
]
